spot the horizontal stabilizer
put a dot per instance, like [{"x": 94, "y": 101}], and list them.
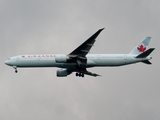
[
  {"x": 146, "y": 53},
  {"x": 147, "y": 62}
]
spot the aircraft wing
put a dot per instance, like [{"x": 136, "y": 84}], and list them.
[
  {"x": 89, "y": 73},
  {"x": 85, "y": 47},
  {"x": 84, "y": 71},
  {"x": 79, "y": 54}
]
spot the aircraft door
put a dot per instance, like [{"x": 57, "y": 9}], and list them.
[
  {"x": 17, "y": 58},
  {"x": 98, "y": 57},
  {"x": 98, "y": 61},
  {"x": 125, "y": 59},
  {"x": 38, "y": 59}
]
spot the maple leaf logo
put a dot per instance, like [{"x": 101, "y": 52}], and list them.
[{"x": 141, "y": 48}]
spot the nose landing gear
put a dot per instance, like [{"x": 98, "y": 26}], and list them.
[{"x": 16, "y": 71}]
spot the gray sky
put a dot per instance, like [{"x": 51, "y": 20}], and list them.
[{"x": 46, "y": 26}]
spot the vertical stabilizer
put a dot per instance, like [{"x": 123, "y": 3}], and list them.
[{"x": 141, "y": 47}]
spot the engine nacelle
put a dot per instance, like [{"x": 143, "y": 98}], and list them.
[
  {"x": 61, "y": 58},
  {"x": 62, "y": 72}
]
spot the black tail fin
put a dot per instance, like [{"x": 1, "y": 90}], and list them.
[{"x": 146, "y": 53}]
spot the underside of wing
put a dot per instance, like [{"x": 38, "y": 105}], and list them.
[
  {"x": 90, "y": 74},
  {"x": 80, "y": 72}
]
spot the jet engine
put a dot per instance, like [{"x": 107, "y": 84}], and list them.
[
  {"x": 61, "y": 58},
  {"x": 62, "y": 72}
]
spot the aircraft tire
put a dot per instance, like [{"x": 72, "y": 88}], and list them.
[
  {"x": 82, "y": 75},
  {"x": 77, "y": 74}
]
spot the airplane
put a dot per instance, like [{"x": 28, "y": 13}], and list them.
[{"x": 79, "y": 60}]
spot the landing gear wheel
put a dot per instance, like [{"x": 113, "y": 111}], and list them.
[
  {"x": 82, "y": 75},
  {"x": 77, "y": 74},
  {"x": 15, "y": 69}
]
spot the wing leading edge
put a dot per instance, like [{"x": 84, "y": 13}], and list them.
[{"x": 85, "y": 47}]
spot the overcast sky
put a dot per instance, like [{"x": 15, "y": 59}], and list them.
[{"x": 46, "y": 26}]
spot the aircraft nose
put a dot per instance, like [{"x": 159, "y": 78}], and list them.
[{"x": 7, "y": 62}]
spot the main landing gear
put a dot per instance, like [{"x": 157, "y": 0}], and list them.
[
  {"x": 79, "y": 74},
  {"x": 16, "y": 71}
]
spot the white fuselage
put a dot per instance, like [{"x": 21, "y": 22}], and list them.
[{"x": 93, "y": 60}]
